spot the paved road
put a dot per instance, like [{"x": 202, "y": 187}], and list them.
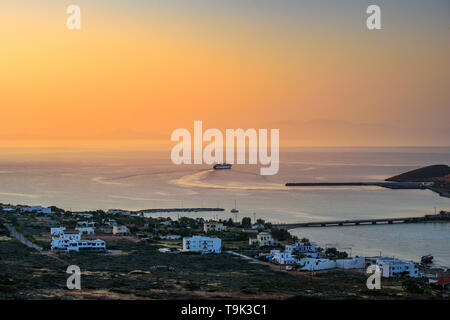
[
  {"x": 20, "y": 237},
  {"x": 249, "y": 258}
]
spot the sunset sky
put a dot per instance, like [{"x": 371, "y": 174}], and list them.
[{"x": 140, "y": 69}]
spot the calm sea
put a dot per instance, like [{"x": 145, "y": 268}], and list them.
[{"x": 80, "y": 179}]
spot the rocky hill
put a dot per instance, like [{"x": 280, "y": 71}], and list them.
[{"x": 425, "y": 174}]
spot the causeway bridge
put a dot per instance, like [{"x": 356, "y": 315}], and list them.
[
  {"x": 384, "y": 184},
  {"x": 357, "y": 222}
]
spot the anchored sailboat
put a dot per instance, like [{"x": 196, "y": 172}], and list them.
[{"x": 234, "y": 210}]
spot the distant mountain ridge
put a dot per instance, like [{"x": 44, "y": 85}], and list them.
[{"x": 425, "y": 174}]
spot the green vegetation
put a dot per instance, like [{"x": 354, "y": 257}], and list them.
[
  {"x": 412, "y": 285},
  {"x": 282, "y": 235},
  {"x": 333, "y": 253},
  {"x": 246, "y": 222}
]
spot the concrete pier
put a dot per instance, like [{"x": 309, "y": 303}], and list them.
[
  {"x": 358, "y": 222},
  {"x": 384, "y": 184}
]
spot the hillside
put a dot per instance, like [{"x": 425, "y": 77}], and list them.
[{"x": 429, "y": 173}]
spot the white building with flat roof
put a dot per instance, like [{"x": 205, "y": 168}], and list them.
[
  {"x": 302, "y": 247},
  {"x": 57, "y": 231},
  {"x": 263, "y": 239},
  {"x": 86, "y": 230},
  {"x": 391, "y": 267},
  {"x": 86, "y": 223},
  {"x": 70, "y": 240},
  {"x": 202, "y": 244},
  {"x": 312, "y": 264},
  {"x": 351, "y": 263},
  {"x": 36, "y": 209},
  {"x": 213, "y": 226},
  {"x": 282, "y": 257},
  {"x": 120, "y": 230}
]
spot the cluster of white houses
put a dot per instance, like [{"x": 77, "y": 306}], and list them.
[
  {"x": 303, "y": 255},
  {"x": 312, "y": 261},
  {"x": 70, "y": 240},
  {"x": 21, "y": 208}
]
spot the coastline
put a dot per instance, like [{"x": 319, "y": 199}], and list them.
[
  {"x": 429, "y": 237},
  {"x": 441, "y": 191}
]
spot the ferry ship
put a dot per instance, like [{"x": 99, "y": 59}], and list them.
[{"x": 220, "y": 166}]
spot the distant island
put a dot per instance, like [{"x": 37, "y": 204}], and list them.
[{"x": 438, "y": 174}]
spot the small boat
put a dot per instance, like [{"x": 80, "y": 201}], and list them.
[
  {"x": 234, "y": 210},
  {"x": 220, "y": 166},
  {"x": 427, "y": 259}
]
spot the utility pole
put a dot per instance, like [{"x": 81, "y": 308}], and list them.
[{"x": 254, "y": 217}]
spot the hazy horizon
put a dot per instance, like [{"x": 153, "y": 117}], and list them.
[{"x": 141, "y": 69}]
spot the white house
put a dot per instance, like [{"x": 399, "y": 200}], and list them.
[
  {"x": 120, "y": 230},
  {"x": 86, "y": 223},
  {"x": 282, "y": 257},
  {"x": 8, "y": 208},
  {"x": 57, "y": 231},
  {"x": 37, "y": 209},
  {"x": 351, "y": 263},
  {"x": 302, "y": 247},
  {"x": 391, "y": 267},
  {"x": 86, "y": 230},
  {"x": 202, "y": 244},
  {"x": 213, "y": 226},
  {"x": 262, "y": 239},
  {"x": 70, "y": 240},
  {"x": 312, "y": 264}
]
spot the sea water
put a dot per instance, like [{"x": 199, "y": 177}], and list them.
[{"x": 79, "y": 179}]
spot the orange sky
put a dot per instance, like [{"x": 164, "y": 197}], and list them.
[{"x": 134, "y": 72}]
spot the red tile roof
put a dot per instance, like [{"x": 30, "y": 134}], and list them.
[{"x": 442, "y": 280}]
